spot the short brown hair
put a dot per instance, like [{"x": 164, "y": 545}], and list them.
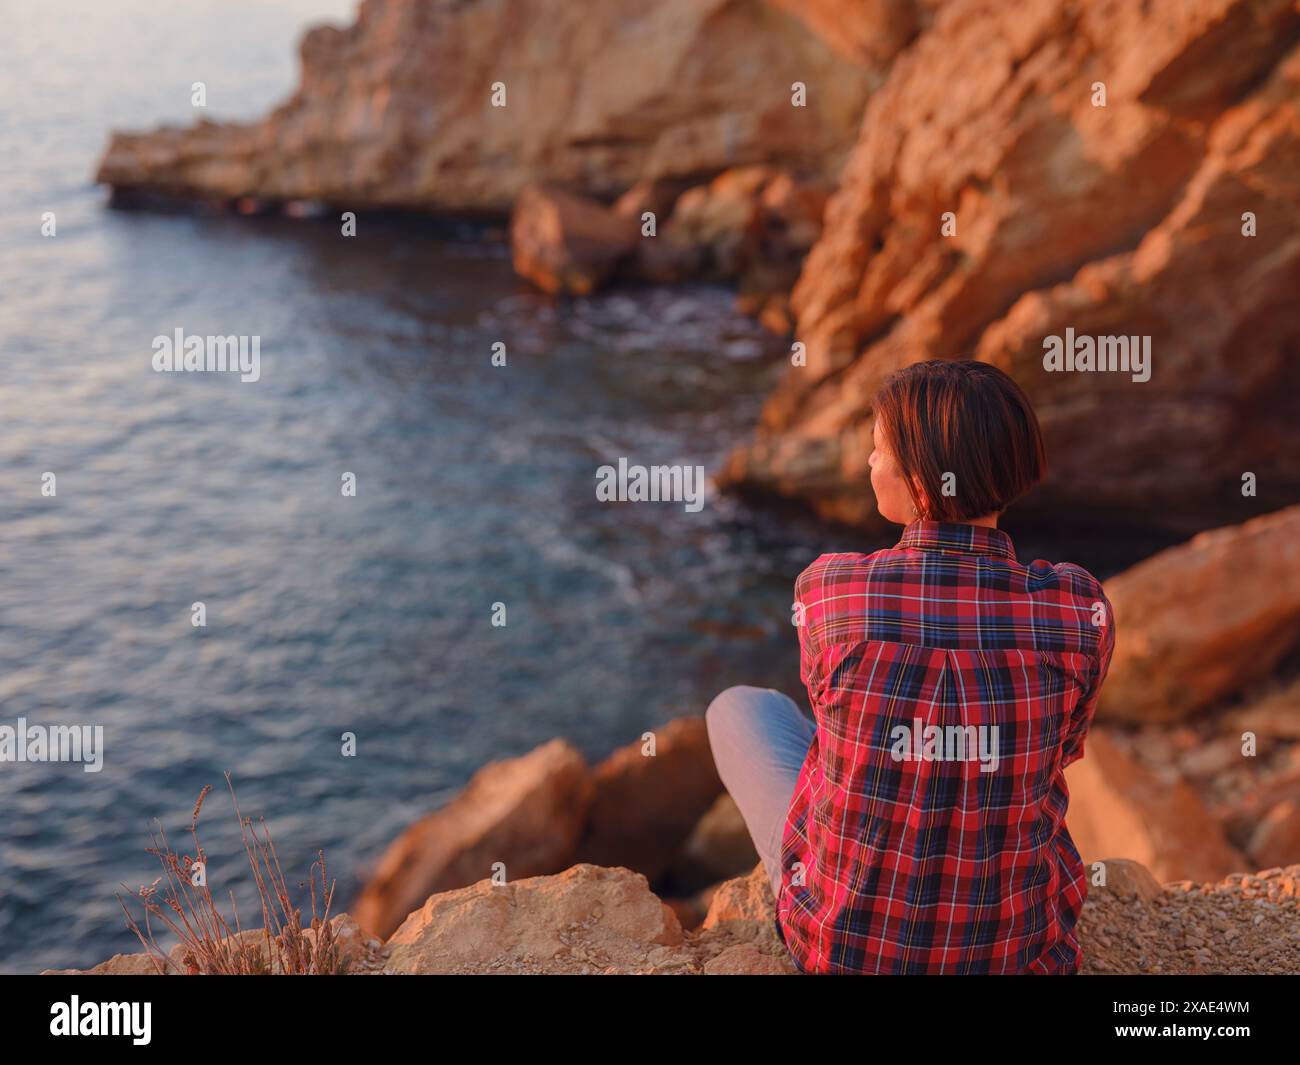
[{"x": 968, "y": 419}]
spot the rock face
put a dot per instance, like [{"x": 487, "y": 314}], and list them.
[
  {"x": 1125, "y": 219},
  {"x": 643, "y": 808},
  {"x": 719, "y": 846},
  {"x": 871, "y": 31},
  {"x": 1275, "y": 714},
  {"x": 752, "y": 225},
  {"x": 527, "y": 813},
  {"x": 565, "y": 243},
  {"x": 586, "y": 920},
  {"x": 1118, "y": 806},
  {"x": 539, "y": 813},
  {"x": 1201, "y": 621},
  {"x": 398, "y": 111}
]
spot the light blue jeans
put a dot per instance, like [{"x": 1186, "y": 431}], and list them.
[{"x": 759, "y": 739}]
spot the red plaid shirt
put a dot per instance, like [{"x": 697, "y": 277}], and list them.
[{"x": 901, "y": 854}]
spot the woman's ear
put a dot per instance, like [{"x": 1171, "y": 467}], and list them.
[{"x": 921, "y": 505}]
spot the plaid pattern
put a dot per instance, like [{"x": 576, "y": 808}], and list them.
[{"x": 911, "y": 865}]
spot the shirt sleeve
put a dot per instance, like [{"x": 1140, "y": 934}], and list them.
[
  {"x": 1081, "y": 718},
  {"x": 805, "y": 592}
]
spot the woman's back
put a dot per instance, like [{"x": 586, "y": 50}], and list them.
[{"x": 951, "y": 686}]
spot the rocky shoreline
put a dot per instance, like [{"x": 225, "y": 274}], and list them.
[
  {"x": 954, "y": 179},
  {"x": 642, "y": 863},
  {"x": 591, "y": 920},
  {"x": 884, "y": 181}
]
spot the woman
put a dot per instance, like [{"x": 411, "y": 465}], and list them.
[{"x": 918, "y": 826}]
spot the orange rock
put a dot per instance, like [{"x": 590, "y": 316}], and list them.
[
  {"x": 1125, "y": 879},
  {"x": 1244, "y": 818},
  {"x": 602, "y": 919},
  {"x": 1274, "y": 714},
  {"x": 1199, "y": 622},
  {"x": 1125, "y": 219},
  {"x": 644, "y": 807},
  {"x": 1276, "y": 839},
  {"x": 866, "y": 30},
  {"x": 719, "y": 846},
  {"x": 401, "y": 109},
  {"x": 744, "y": 906},
  {"x": 1118, "y": 807},
  {"x": 525, "y": 812},
  {"x": 565, "y": 243},
  {"x": 117, "y": 965},
  {"x": 746, "y": 223}
]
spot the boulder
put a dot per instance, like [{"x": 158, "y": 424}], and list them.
[
  {"x": 1276, "y": 839},
  {"x": 751, "y": 224},
  {"x": 525, "y": 812},
  {"x": 718, "y": 847},
  {"x": 565, "y": 243},
  {"x": 1242, "y": 819},
  {"x": 119, "y": 965},
  {"x": 656, "y": 197},
  {"x": 744, "y": 906},
  {"x": 1127, "y": 219},
  {"x": 586, "y": 919},
  {"x": 1125, "y": 879},
  {"x": 1119, "y": 807},
  {"x": 1199, "y": 622},
  {"x": 451, "y": 106},
  {"x": 644, "y": 806},
  {"x": 1273, "y": 713}
]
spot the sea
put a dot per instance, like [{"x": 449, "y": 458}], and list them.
[{"x": 471, "y": 599}]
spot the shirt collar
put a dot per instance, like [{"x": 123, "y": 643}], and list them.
[{"x": 923, "y": 535}]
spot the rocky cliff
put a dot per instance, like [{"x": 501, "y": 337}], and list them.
[
  {"x": 455, "y": 105},
  {"x": 1048, "y": 168},
  {"x": 1111, "y": 168}
]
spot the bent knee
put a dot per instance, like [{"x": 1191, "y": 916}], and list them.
[{"x": 738, "y": 700}]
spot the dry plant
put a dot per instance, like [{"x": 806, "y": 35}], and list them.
[{"x": 208, "y": 944}]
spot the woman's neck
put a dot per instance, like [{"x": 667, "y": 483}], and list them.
[{"x": 988, "y": 521}]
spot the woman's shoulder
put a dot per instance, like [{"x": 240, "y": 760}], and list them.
[
  {"x": 1070, "y": 576},
  {"x": 838, "y": 566}
]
